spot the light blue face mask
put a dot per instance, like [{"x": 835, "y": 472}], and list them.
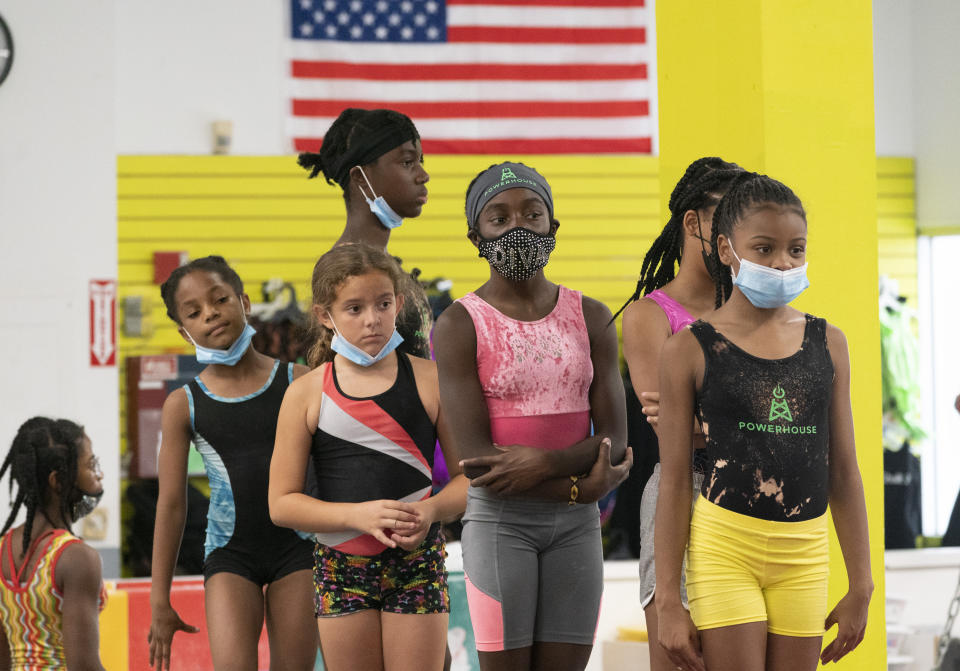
[
  {"x": 379, "y": 207},
  {"x": 767, "y": 287},
  {"x": 225, "y": 357},
  {"x": 348, "y": 350}
]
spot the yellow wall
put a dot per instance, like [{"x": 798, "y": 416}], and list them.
[
  {"x": 785, "y": 87},
  {"x": 897, "y": 223},
  {"x": 268, "y": 220}
]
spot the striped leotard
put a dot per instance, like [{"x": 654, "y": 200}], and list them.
[
  {"x": 366, "y": 449},
  {"x": 31, "y": 605}
]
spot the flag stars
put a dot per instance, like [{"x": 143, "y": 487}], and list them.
[
  {"x": 382, "y": 6},
  {"x": 319, "y": 17},
  {"x": 331, "y": 30},
  {"x": 406, "y": 6},
  {"x": 330, "y": 5},
  {"x": 356, "y": 32},
  {"x": 306, "y": 29},
  {"x": 356, "y": 6},
  {"x": 343, "y": 18},
  {"x": 406, "y": 32},
  {"x": 369, "y": 19},
  {"x": 394, "y": 19},
  {"x": 306, "y": 4},
  {"x": 381, "y": 32},
  {"x": 431, "y": 7},
  {"x": 433, "y": 33},
  {"x": 419, "y": 19}
]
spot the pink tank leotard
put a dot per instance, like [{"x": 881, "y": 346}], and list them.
[
  {"x": 677, "y": 315},
  {"x": 535, "y": 375}
]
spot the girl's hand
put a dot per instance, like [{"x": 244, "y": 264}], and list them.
[
  {"x": 164, "y": 623},
  {"x": 604, "y": 476},
  {"x": 380, "y": 518},
  {"x": 411, "y": 539},
  {"x": 514, "y": 469},
  {"x": 650, "y": 400},
  {"x": 850, "y": 616},
  {"x": 679, "y": 638}
]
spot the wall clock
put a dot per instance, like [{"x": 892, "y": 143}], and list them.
[{"x": 6, "y": 50}]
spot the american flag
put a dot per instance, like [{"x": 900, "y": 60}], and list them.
[{"x": 478, "y": 76}]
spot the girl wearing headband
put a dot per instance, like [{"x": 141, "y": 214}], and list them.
[
  {"x": 525, "y": 367},
  {"x": 375, "y": 157}
]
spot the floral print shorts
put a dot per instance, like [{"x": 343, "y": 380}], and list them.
[{"x": 394, "y": 581}]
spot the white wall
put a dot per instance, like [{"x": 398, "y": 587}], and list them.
[
  {"x": 58, "y": 225},
  {"x": 182, "y": 64},
  {"x": 893, "y": 59},
  {"x": 940, "y": 458},
  {"x": 936, "y": 24}
]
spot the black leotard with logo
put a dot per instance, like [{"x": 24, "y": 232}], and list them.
[{"x": 766, "y": 425}]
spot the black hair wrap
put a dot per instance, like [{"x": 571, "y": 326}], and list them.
[{"x": 369, "y": 148}]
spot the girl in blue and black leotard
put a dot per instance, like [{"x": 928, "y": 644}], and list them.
[{"x": 253, "y": 570}]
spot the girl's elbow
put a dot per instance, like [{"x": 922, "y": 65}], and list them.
[{"x": 275, "y": 509}]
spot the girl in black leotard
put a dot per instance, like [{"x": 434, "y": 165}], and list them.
[
  {"x": 771, "y": 388},
  {"x": 252, "y": 569},
  {"x": 369, "y": 415}
]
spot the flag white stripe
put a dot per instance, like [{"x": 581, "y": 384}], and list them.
[
  {"x": 526, "y": 54},
  {"x": 480, "y": 129},
  {"x": 445, "y": 91},
  {"x": 552, "y": 17}
]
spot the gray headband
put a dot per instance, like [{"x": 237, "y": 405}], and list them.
[{"x": 501, "y": 177}]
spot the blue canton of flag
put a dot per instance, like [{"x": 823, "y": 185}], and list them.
[{"x": 369, "y": 20}]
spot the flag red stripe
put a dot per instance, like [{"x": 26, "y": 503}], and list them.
[
  {"x": 511, "y": 34},
  {"x": 524, "y": 109},
  {"x": 553, "y": 3},
  {"x": 517, "y": 146},
  {"x": 465, "y": 71}
]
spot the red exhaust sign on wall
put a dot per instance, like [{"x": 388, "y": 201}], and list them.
[{"x": 103, "y": 322}]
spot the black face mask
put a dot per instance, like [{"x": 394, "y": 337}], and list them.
[
  {"x": 517, "y": 254},
  {"x": 85, "y": 504},
  {"x": 708, "y": 260}
]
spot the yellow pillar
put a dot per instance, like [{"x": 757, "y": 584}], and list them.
[{"x": 785, "y": 87}]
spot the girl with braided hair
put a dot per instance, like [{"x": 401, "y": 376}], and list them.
[
  {"x": 771, "y": 388},
  {"x": 670, "y": 302},
  {"x": 51, "y": 589}
]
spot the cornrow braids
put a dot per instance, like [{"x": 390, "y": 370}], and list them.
[
  {"x": 703, "y": 184},
  {"x": 748, "y": 191},
  {"x": 351, "y": 127},
  {"x": 208, "y": 264},
  {"x": 41, "y": 446}
]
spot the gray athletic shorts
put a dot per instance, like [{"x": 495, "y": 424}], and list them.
[
  {"x": 648, "y": 509},
  {"x": 534, "y": 571}
]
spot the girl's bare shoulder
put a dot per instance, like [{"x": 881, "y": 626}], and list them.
[
  {"x": 309, "y": 381},
  {"x": 423, "y": 367}
]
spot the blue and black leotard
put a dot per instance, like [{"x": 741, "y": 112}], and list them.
[{"x": 235, "y": 437}]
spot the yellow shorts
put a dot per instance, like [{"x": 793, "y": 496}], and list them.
[{"x": 743, "y": 569}]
